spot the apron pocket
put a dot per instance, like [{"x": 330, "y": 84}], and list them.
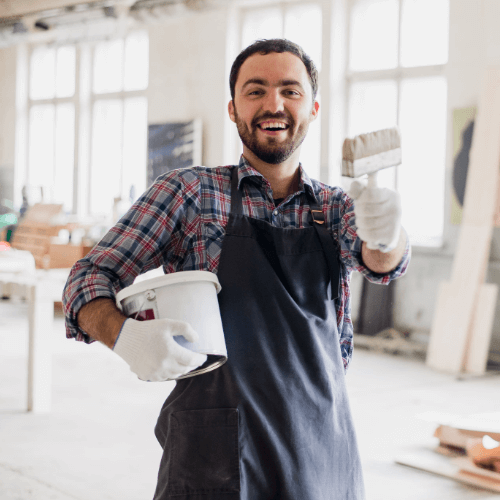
[{"x": 204, "y": 452}]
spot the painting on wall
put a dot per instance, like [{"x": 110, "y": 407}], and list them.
[
  {"x": 172, "y": 146},
  {"x": 463, "y": 128}
]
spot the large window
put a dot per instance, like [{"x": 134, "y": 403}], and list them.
[
  {"x": 396, "y": 59},
  {"x": 51, "y": 132},
  {"x": 86, "y": 130},
  {"x": 300, "y": 23}
]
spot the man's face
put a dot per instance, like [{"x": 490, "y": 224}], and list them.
[{"x": 272, "y": 106}]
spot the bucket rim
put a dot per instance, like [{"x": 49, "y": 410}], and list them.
[{"x": 168, "y": 279}]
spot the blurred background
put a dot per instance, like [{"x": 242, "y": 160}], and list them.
[{"x": 98, "y": 98}]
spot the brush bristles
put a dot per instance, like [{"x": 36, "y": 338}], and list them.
[
  {"x": 371, "y": 164},
  {"x": 372, "y": 144}
]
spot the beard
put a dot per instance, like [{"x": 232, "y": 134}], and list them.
[{"x": 271, "y": 150}]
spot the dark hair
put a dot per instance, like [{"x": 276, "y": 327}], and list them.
[{"x": 278, "y": 45}]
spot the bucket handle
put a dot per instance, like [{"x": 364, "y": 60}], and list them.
[
  {"x": 148, "y": 295},
  {"x": 140, "y": 309}
]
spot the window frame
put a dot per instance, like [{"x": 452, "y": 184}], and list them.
[
  {"x": 54, "y": 101},
  {"x": 83, "y": 101},
  {"x": 397, "y": 74}
]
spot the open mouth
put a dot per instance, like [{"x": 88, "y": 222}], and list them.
[{"x": 273, "y": 126}]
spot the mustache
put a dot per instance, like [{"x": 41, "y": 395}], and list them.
[{"x": 272, "y": 116}]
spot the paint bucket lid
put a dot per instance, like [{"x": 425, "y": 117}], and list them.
[{"x": 168, "y": 279}]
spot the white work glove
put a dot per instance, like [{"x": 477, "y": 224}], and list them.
[
  {"x": 152, "y": 353},
  {"x": 378, "y": 215}
]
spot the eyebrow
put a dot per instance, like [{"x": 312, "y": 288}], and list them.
[{"x": 281, "y": 83}]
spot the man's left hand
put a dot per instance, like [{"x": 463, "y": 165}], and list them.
[{"x": 378, "y": 216}]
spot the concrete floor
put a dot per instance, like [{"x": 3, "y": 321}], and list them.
[{"x": 98, "y": 441}]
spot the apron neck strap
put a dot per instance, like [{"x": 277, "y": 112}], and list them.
[
  {"x": 329, "y": 248},
  {"x": 236, "y": 198}
]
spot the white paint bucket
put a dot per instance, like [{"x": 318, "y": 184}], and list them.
[{"x": 189, "y": 296}]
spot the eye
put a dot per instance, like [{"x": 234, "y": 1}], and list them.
[
  {"x": 256, "y": 92},
  {"x": 292, "y": 92}
]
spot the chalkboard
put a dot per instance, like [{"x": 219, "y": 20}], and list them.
[{"x": 172, "y": 146}]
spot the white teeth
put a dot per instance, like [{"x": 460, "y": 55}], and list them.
[{"x": 268, "y": 125}]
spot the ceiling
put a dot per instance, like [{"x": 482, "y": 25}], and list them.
[{"x": 21, "y": 19}]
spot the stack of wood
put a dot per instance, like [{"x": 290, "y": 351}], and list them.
[
  {"x": 36, "y": 233},
  {"x": 466, "y": 304},
  {"x": 468, "y": 451}
]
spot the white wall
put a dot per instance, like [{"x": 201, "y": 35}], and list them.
[
  {"x": 188, "y": 76},
  {"x": 7, "y": 120}
]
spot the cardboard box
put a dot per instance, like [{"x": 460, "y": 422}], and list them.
[
  {"x": 35, "y": 232},
  {"x": 62, "y": 256}
]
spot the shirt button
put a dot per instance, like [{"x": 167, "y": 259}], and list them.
[{"x": 275, "y": 212}]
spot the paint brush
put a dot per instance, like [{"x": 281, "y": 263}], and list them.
[{"x": 369, "y": 153}]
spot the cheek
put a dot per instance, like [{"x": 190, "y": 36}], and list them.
[
  {"x": 246, "y": 110},
  {"x": 306, "y": 116},
  {"x": 299, "y": 112}
]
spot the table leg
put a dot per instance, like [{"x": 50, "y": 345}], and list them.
[{"x": 41, "y": 319}]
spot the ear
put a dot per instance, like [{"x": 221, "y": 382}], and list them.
[
  {"x": 314, "y": 111},
  {"x": 230, "y": 109}
]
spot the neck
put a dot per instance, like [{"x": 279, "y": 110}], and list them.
[{"x": 283, "y": 177}]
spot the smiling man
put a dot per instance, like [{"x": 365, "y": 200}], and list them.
[{"x": 274, "y": 421}]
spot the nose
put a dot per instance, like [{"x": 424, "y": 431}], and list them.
[{"x": 274, "y": 102}]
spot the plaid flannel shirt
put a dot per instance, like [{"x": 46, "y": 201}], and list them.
[{"x": 179, "y": 222}]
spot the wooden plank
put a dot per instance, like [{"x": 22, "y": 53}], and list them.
[
  {"x": 467, "y": 465},
  {"x": 444, "y": 328},
  {"x": 458, "y": 438},
  {"x": 434, "y": 463},
  {"x": 496, "y": 217},
  {"x": 482, "y": 327},
  {"x": 471, "y": 257},
  {"x": 482, "y": 188},
  {"x": 457, "y": 300}
]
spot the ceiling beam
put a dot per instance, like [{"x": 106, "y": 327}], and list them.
[{"x": 16, "y": 8}]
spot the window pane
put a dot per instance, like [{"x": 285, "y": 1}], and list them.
[
  {"x": 424, "y": 32},
  {"x": 135, "y": 127},
  {"x": 423, "y": 131},
  {"x": 310, "y": 152},
  {"x": 136, "y": 61},
  {"x": 64, "y": 155},
  {"x": 108, "y": 67},
  {"x": 262, "y": 23},
  {"x": 374, "y": 35},
  {"x": 42, "y": 73},
  {"x": 303, "y": 26},
  {"x": 65, "y": 71},
  {"x": 106, "y": 155},
  {"x": 41, "y": 146},
  {"x": 373, "y": 106}
]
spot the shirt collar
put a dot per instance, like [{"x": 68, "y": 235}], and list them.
[{"x": 246, "y": 171}]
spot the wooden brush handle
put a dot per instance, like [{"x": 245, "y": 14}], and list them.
[{"x": 372, "y": 180}]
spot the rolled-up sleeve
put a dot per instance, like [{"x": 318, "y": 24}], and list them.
[{"x": 150, "y": 234}]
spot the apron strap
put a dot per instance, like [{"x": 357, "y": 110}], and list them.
[
  {"x": 236, "y": 197},
  {"x": 329, "y": 249},
  {"x": 319, "y": 224}
]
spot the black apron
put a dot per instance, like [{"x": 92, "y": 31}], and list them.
[{"x": 274, "y": 421}]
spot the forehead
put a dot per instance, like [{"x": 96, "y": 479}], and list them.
[{"x": 273, "y": 68}]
